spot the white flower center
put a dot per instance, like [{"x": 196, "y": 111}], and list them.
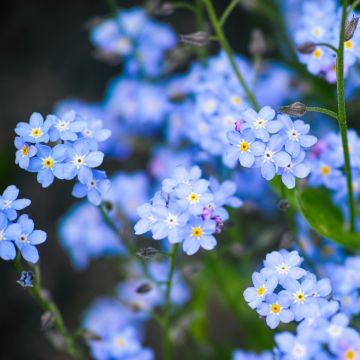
[
  {"x": 334, "y": 330},
  {"x": 260, "y": 123},
  {"x": 210, "y": 106},
  {"x": 317, "y": 31},
  {"x": 283, "y": 269},
  {"x": 24, "y": 238},
  {"x": 2, "y": 235},
  {"x": 79, "y": 160},
  {"x": 87, "y": 132},
  {"x": 172, "y": 221},
  {"x": 62, "y": 125},
  {"x": 299, "y": 297},
  {"x": 92, "y": 184},
  {"x": 269, "y": 156},
  {"x": 293, "y": 134},
  {"x": 123, "y": 45},
  {"x": 151, "y": 219},
  {"x": 299, "y": 351}
]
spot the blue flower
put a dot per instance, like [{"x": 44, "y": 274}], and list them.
[
  {"x": 262, "y": 123},
  {"x": 284, "y": 265},
  {"x": 297, "y": 135},
  {"x": 7, "y": 231},
  {"x": 170, "y": 223},
  {"x": 243, "y": 147},
  {"x": 66, "y": 127},
  {"x": 85, "y": 236},
  {"x": 273, "y": 157},
  {"x": 249, "y": 355},
  {"x": 80, "y": 161},
  {"x": 25, "y": 152},
  {"x": 181, "y": 176},
  {"x": 48, "y": 163},
  {"x": 262, "y": 287},
  {"x": 301, "y": 347},
  {"x": 275, "y": 309},
  {"x": 95, "y": 133},
  {"x": 9, "y": 203},
  {"x": 95, "y": 188},
  {"x": 199, "y": 234},
  {"x": 26, "y": 238},
  {"x": 304, "y": 295},
  {"x": 147, "y": 219},
  {"x": 26, "y": 279},
  {"x": 36, "y": 131},
  {"x": 193, "y": 197},
  {"x": 295, "y": 169}
]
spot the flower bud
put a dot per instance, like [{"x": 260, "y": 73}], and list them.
[
  {"x": 306, "y": 48},
  {"x": 164, "y": 9},
  {"x": 144, "y": 288},
  {"x": 200, "y": 38},
  {"x": 350, "y": 28},
  {"x": 257, "y": 44},
  {"x": 26, "y": 279},
  {"x": 297, "y": 109},
  {"x": 238, "y": 126},
  {"x": 147, "y": 252},
  {"x": 47, "y": 321},
  {"x": 283, "y": 204}
]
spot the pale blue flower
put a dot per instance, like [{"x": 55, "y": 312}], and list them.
[
  {"x": 10, "y": 204},
  {"x": 36, "y": 131}
]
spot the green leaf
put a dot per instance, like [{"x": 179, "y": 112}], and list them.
[{"x": 325, "y": 218}]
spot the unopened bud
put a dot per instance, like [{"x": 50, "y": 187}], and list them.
[
  {"x": 238, "y": 126},
  {"x": 351, "y": 27},
  {"x": 26, "y": 279},
  {"x": 164, "y": 9},
  {"x": 283, "y": 204},
  {"x": 144, "y": 288},
  {"x": 47, "y": 321},
  {"x": 147, "y": 252},
  {"x": 296, "y": 109},
  {"x": 306, "y": 48},
  {"x": 257, "y": 44},
  {"x": 200, "y": 38},
  {"x": 89, "y": 335}
]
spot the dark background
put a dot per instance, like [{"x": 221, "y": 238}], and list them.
[{"x": 46, "y": 56}]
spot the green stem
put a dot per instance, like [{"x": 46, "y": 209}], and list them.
[
  {"x": 329, "y": 46},
  {"x": 199, "y": 15},
  {"x": 342, "y": 115},
  {"x": 70, "y": 345},
  {"x": 353, "y": 6},
  {"x": 228, "y": 11},
  {"x": 330, "y": 113},
  {"x": 225, "y": 45},
  {"x": 167, "y": 310},
  {"x": 183, "y": 5}
]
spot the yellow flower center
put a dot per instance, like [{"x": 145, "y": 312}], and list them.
[
  {"x": 196, "y": 232},
  {"x": 317, "y": 31},
  {"x": 236, "y": 100},
  {"x": 261, "y": 291},
  {"x": 120, "y": 342},
  {"x": 194, "y": 198},
  {"x": 36, "y": 133},
  {"x": 299, "y": 297},
  {"x": 48, "y": 162},
  {"x": 244, "y": 146},
  {"x": 349, "y": 44},
  {"x": 350, "y": 355},
  {"x": 275, "y": 308},
  {"x": 325, "y": 170},
  {"x": 25, "y": 150},
  {"x": 317, "y": 53}
]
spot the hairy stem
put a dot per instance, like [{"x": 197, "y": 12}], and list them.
[
  {"x": 330, "y": 113},
  {"x": 226, "y": 47},
  {"x": 342, "y": 115},
  {"x": 70, "y": 345},
  {"x": 167, "y": 311},
  {"x": 228, "y": 11}
]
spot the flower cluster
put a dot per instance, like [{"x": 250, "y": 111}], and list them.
[
  {"x": 17, "y": 232},
  {"x": 135, "y": 38},
  {"x": 326, "y": 161},
  {"x": 118, "y": 323},
  {"x": 188, "y": 209},
  {"x": 320, "y": 23},
  {"x": 65, "y": 148},
  {"x": 276, "y": 146},
  {"x": 284, "y": 292},
  {"x": 214, "y": 97}
]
